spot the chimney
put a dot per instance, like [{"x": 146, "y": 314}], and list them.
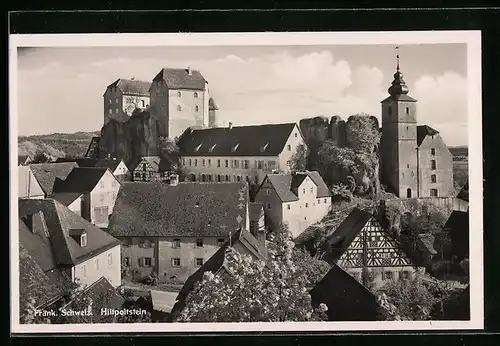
[
  {"x": 230, "y": 125},
  {"x": 189, "y": 70},
  {"x": 174, "y": 179}
]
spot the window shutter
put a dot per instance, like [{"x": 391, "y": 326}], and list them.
[
  {"x": 141, "y": 262},
  {"x": 383, "y": 275}
]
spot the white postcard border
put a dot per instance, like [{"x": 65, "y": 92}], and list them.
[{"x": 471, "y": 38}]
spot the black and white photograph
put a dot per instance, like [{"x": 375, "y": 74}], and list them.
[{"x": 244, "y": 182}]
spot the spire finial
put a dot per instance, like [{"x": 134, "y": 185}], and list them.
[{"x": 397, "y": 57}]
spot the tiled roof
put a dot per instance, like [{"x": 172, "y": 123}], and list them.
[
  {"x": 47, "y": 173},
  {"x": 255, "y": 210},
  {"x": 285, "y": 184},
  {"x": 179, "y": 78},
  {"x": 347, "y": 299},
  {"x": 91, "y": 162},
  {"x": 66, "y": 198},
  {"x": 27, "y": 183},
  {"x": 60, "y": 220},
  {"x": 38, "y": 245},
  {"x": 33, "y": 283},
  {"x": 401, "y": 97},
  {"x": 216, "y": 263},
  {"x": 458, "y": 228},
  {"x": 212, "y": 105},
  {"x": 423, "y": 131},
  {"x": 187, "y": 209},
  {"x": 80, "y": 180},
  {"x": 21, "y": 159},
  {"x": 464, "y": 192},
  {"x": 255, "y": 140},
  {"x": 132, "y": 87}
]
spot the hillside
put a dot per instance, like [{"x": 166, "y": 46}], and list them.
[
  {"x": 460, "y": 151},
  {"x": 56, "y": 144}
]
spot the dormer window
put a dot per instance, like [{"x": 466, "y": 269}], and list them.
[
  {"x": 197, "y": 204},
  {"x": 79, "y": 235},
  {"x": 195, "y": 95},
  {"x": 198, "y": 147},
  {"x": 83, "y": 240},
  {"x": 211, "y": 148},
  {"x": 179, "y": 94},
  {"x": 264, "y": 147},
  {"x": 233, "y": 149}
]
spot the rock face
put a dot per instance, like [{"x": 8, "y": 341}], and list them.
[{"x": 136, "y": 137}]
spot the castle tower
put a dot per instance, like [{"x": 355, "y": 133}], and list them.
[
  {"x": 399, "y": 156},
  {"x": 212, "y": 113}
]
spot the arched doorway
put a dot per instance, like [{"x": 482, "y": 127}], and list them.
[
  {"x": 218, "y": 178},
  {"x": 203, "y": 178},
  {"x": 191, "y": 177},
  {"x": 408, "y": 193}
]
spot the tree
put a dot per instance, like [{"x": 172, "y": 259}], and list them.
[
  {"x": 314, "y": 269},
  {"x": 169, "y": 151},
  {"x": 298, "y": 162},
  {"x": 40, "y": 158},
  {"x": 341, "y": 192},
  {"x": 410, "y": 299},
  {"x": 251, "y": 290},
  {"x": 28, "y": 315}
]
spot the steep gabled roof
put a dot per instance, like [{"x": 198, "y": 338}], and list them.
[
  {"x": 179, "y": 78},
  {"x": 92, "y": 162},
  {"x": 286, "y": 184},
  {"x": 33, "y": 282},
  {"x": 60, "y": 220},
  {"x": 424, "y": 131},
  {"x": 131, "y": 87},
  {"x": 216, "y": 263},
  {"x": 254, "y": 140},
  {"x": 346, "y": 298},
  {"x": 48, "y": 173},
  {"x": 187, "y": 209},
  {"x": 458, "y": 227},
  {"x": 66, "y": 198},
  {"x": 22, "y": 159},
  {"x": 28, "y": 186},
  {"x": 81, "y": 180}
]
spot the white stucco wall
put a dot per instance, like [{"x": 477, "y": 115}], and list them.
[
  {"x": 107, "y": 264},
  {"x": 104, "y": 195}
]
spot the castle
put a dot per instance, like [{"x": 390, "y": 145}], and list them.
[{"x": 414, "y": 160}]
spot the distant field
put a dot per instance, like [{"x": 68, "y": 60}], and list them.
[
  {"x": 459, "y": 151},
  {"x": 56, "y": 144}
]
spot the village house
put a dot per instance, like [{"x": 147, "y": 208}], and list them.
[
  {"x": 172, "y": 229},
  {"x": 238, "y": 153},
  {"x": 179, "y": 99},
  {"x": 415, "y": 161},
  {"x": 67, "y": 246},
  {"x": 47, "y": 174},
  {"x": 23, "y": 160},
  {"x": 297, "y": 199},
  {"x": 361, "y": 243},
  {"x": 242, "y": 241},
  {"x": 95, "y": 189},
  {"x": 116, "y": 166},
  {"x": 28, "y": 186},
  {"x": 123, "y": 97},
  {"x": 150, "y": 168},
  {"x": 257, "y": 218},
  {"x": 346, "y": 298}
]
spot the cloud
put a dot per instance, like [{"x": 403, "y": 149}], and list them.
[{"x": 260, "y": 89}]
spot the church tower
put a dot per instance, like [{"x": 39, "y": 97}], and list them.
[{"x": 399, "y": 156}]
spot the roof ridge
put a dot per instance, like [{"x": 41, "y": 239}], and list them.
[{"x": 57, "y": 207}]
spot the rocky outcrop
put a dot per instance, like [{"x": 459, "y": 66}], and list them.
[{"x": 138, "y": 136}]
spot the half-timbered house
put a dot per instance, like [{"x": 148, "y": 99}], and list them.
[
  {"x": 360, "y": 244},
  {"x": 150, "y": 168}
]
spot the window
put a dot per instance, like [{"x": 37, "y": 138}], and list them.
[
  {"x": 97, "y": 263},
  {"x": 110, "y": 111},
  {"x": 387, "y": 275},
  {"x": 196, "y": 108},
  {"x": 179, "y": 94},
  {"x": 303, "y": 191},
  {"x": 246, "y": 164},
  {"x": 101, "y": 183},
  {"x": 83, "y": 240},
  {"x": 295, "y": 134},
  {"x": 433, "y": 151},
  {"x": 226, "y": 163},
  {"x": 319, "y": 201},
  {"x": 199, "y": 242},
  {"x": 325, "y": 201},
  {"x": 110, "y": 101},
  {"x": 289, "y": 147},
  {"x": 137, "y": 175},
  {"x": 407, "y": 165},
  {"x": 268, "y": 191},
  {"x": 101, "y": 214},
  {"x": 238, "y": 178},
  {"x": 144, "y": 167},
  {"x": 433, "y": 178},
  {"x": 209, "y": 162},
  {"x": 408, "y": 193},
  {"x": 127, "y": 261},
  {"x": 227, "y": 178},
  {"x": 196, "y": 162},
  {"x": 110, "y": 259},
  {"x": 312, "y": 189},
  {"x": 195, "y": 95},
  {"x": 190, "y": 162},
  {"x": 260, "y": 164},
  {"x": 176, "y": 262},
  {"x": 199, "y": 262},
  {"x": 268, "y": 205},
  {"x": 218, "y": 178},
  {"x": 433, "y": 164},
  {"x": 143, "y": 104},
  {"x": 288, "y": 206},
  {"x": 407, "y": 110},
  {"x": 236, "y": 164},
  {"x": 434, "y": 192},
  {"x": 218, "y": 162},
  {"x": 176, "y": 243},
  {"x": 117, "y": 111},
  {"x": 147, "y": 261},
  {"x": 197, "y": 204},
  {"x": 307, "y": 205},
  {"x": 203, "y": 162},
  {"x": 84, "y": 271},
  {"x": 220, "y": 241},
  {"x": 404, "y": 275},
  {"x": 179, "y": 108}
]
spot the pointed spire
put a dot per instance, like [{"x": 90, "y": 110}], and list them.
[
  {"x": 397, "y": 57},
  {"x": 398, "y": 86}
]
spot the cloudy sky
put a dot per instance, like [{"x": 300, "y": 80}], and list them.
[{"x": 60, "y": 89}]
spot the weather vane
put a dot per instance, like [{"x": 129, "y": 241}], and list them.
[{"x": 397, "y": 56}]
